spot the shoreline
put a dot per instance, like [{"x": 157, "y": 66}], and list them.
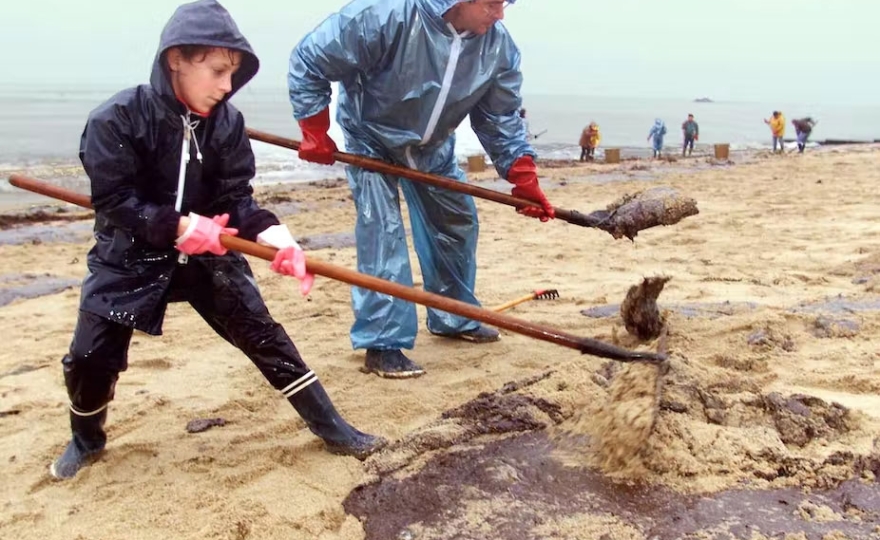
[{"x": 17, "y": 204}]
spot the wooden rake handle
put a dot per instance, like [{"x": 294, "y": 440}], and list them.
[
  {"x": 594, "y": 220},
  {"x": 584, "y": 345},
  {"x": 507, "y": 305}
]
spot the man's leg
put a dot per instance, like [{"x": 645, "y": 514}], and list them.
[
  {"x": 225, "y": 294},
  {"x": 445, "y": 229},
  {"x": 383, "y": 324},
  {"x": 381, "y": 321},
  {"x": 98, "y": 352}
]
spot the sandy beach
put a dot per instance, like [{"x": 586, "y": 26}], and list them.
[{"x": 772, "y": 394}]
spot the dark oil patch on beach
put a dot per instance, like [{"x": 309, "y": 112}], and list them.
[
  {"x": 542, "y": 488},
  {"x": 529, "y": 488}
]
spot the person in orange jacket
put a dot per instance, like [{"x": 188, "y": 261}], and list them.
[
  {"x": 777, "y": 126},
  {"x": 590, "y": 138}
]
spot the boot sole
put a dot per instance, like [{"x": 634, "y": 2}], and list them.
[
  {"x": 360, "y": 455},
  {"x": 470, "y": 338},
  {"x": 412, "y": 374}
]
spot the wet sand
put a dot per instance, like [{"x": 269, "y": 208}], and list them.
[{"x": 771, "y": 394}]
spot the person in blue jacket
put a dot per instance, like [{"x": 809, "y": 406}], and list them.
[
  {"x": 409, "y": 72},
  {"x": 658, "y": 131}
]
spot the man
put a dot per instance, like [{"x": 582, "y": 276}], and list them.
[
  {"x": 691, "y": 131},
  {"x": 803, "y": 127},
  {"x": 409, "y": 72},
  {"x": 777, "y": 127}
]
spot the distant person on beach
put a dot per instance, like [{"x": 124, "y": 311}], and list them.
[
  {"x": 409, "y": 72},
  {"x": 691, "y": 131},
  {"x": 590, "y": 138},
  {"x": 802, "y": 128},
  {"x": 170, "y": 168},
  {"x": 658, "y": 131},
  {"x": 529, "y": 135},
  {"x": 525, "y": 121},
  {"x": 777, "y": 128}
]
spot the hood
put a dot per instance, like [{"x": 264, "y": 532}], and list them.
[
  {"x": 439, "y": 7},
  {"x": 658, "y": 123},
  {"x": 206, "y": 23}
]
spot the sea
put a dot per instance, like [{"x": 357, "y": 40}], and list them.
[{"x": 40, "y": 129}]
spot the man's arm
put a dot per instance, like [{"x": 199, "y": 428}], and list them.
[
  {"x": 344, "y": 44},
  {"x": 496, "y": 120}
]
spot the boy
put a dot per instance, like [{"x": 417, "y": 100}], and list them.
[{"x": 161, "y": 157}]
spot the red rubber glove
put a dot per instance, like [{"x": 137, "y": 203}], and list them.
[
  {"x": 203, "y": 235},
  {"x": 317, "y": 146},
  {"x": 524, "y": 175}
]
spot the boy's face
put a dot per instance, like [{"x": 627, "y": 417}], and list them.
[
  {"x": 690, "y": 117},
  {"x": 203, "y": 81}
]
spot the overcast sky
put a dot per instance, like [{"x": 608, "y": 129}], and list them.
[{"x": 820, "y": 51}]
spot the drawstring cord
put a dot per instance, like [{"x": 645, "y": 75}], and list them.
[{"x": 189, "y": 134}]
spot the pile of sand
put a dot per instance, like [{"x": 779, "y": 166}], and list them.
[{"x": 699, "y": 428}]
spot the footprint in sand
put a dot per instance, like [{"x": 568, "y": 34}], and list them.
[
  {"x": 159, "y": 364},
  {"x": 127, "y": 459}
]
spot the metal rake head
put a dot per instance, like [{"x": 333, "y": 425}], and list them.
[{"x": 546, "y": 294}]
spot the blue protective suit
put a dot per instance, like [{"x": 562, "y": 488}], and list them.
[
  {"x": 658, "y": 131},
  {"x": 406, "y": 81}
]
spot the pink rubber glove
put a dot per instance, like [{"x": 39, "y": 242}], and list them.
[
  {"x": 203, "y": 235},
  {"x": 524, "y": 175},
  {"x": 291, "y": 261}
]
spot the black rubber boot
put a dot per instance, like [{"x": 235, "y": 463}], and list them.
[
  {"x": 481, "y": 334},
  {"x": 391, "y": 364},
  {"x": 86, "y": 444},
  {"x": 315, "y": 407}
]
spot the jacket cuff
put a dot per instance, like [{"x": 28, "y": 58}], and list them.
[
  {"x": 191, "y": 228},
  {"x": 257, "y": 223},
  {"x": 162, "y": 232}
]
